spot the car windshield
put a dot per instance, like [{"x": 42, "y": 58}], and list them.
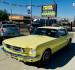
[{"x": 43, "y": 31}]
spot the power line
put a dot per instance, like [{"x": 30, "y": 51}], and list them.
[
  {"x": 22, "y": 5},
  {"x": 18, "y": 5}
]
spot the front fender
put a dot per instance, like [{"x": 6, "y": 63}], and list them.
[{"x": 41, "y": 48}]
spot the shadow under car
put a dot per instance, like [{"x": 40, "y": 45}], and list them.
[{"x": 59, "y": 59}]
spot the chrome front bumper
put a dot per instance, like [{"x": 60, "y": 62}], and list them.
[{"x": 21, "y": 57}]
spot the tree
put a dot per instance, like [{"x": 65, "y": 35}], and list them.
[{"x": 3, "y": 15}]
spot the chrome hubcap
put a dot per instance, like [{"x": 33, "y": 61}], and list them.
[{"x": 46, "y": 56}]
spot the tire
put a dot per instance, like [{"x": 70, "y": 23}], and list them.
[
  {"x": 46, "y": 57},
  {"x": 69, "y": 43},
  {"x": 1, "y": 39}
]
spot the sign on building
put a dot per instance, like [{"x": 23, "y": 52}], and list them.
[
  {"x": 49, "y": 10},
  {"x": 29, "y": 9}
]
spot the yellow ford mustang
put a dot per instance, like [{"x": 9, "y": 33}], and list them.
[{"x": 39, "y": 46}]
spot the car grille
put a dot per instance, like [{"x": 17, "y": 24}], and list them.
[{"x": 14, "y": 48}]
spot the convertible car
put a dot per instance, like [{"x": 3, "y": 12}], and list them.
[{"x": 39, "y": 46}]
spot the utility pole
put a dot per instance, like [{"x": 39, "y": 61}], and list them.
[
  {"x": 11, "y": 14},
  {"x": 31, "y": 10},
  {"x": 56, "y": 7},
  {"x": 31, "y": 7}
]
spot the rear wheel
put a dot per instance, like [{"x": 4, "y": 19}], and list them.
[
  {"x": 46, "y": 57},
  {"x": 1, "y": 39},
  {"x": 69, "y": 43}
]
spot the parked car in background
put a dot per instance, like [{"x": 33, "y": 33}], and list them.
[
  {"x": 5, "y": 22},
  {"x": 39, "y": 46},
  {"x": 9, "y": 30},
  {"x": 41, "y": 22}
]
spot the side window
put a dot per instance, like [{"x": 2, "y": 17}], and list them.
[
  {"x": 43, "y": 31},
  {"x": 3, "y": 26},
  {"x": 51, "y": 32},
  {"x": 62, "y": 32},
  {"x": 48, "y": 32}
]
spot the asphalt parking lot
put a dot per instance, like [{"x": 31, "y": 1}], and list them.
[{"x": 62, "y": 60}]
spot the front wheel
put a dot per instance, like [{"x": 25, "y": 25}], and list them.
[{"x": 46, "y": 57}]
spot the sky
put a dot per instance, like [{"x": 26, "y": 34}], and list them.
[{"x": 64, "y": 8}]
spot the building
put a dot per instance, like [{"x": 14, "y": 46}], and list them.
[{"x": 20, "y": 18}]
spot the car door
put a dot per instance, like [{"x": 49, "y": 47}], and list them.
[{"x": 62, "y": 39}]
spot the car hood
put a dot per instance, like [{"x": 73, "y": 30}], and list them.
[{"x": 30, "y": 41}]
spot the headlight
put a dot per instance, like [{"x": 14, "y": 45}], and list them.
[{"x": 32, "y": 51}]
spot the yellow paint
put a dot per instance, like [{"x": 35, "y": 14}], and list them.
[
  {"x": 52, "y": 13},
  {"x": 39, "y": 43},
  {"x": 49, "y": 7},
  {"x": 31, "y": 41}
]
